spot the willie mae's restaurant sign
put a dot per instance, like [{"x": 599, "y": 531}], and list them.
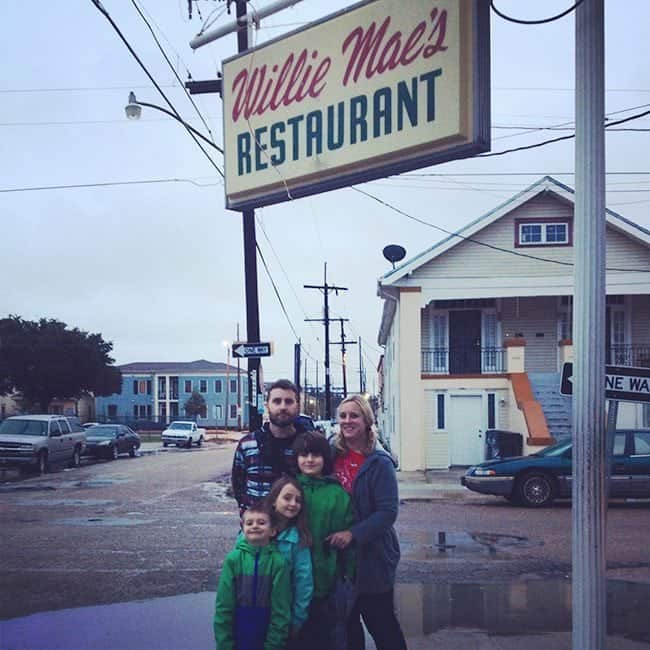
[{"x": 383, "y": 87}]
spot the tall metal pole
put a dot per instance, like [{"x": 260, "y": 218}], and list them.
[
  {"x": 227, "y": 385},
  {"x": 589, "y": 440},
  {"x": 250, "y": 265},
  {"x": 238, "y": 387},
  {"x": 362, "y": 389},
  {"x": 326, "y": 316}
]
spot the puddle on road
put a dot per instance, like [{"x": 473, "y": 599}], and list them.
[
  {"x": 516, "y": 608},
  {"x": 101, "y": 521},
  {"x": 27, "y": 501},
  {"x": 538, "y": 607},
  {"x": 450, "y": 545}
]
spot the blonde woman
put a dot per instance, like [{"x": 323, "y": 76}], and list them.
[{"x": 367, "y": 472}]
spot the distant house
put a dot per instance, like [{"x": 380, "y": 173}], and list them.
[
  {"x": 9, "y": 405},
  {"x": 477, "y": 327},
  {"x": 158, "y": 391}
]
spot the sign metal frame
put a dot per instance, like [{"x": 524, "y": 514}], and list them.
[
  {"x": 462, "y": 89},
  {"x": 618, "y": 382}
]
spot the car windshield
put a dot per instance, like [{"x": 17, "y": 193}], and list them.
[
  {"x": 180, "y": 425},
  {"x": 101, "y": 432},
  {"x": 24, "y": 428},
  {"x": 555, "y": 450}
]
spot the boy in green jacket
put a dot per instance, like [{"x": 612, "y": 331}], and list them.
[
  {"x": 253, "y": 605},
  {"x": 329, "y": 510}
]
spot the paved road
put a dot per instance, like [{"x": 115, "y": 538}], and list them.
[
  {"x": 159, "y": 525},
  {"x": 113, "y": 531}
]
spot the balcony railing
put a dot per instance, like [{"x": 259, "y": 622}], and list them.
[
  {"x": 466, "y": 360},
  {"x": 629, "y": 355}
]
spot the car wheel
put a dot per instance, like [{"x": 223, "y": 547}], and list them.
[
  {"x": 535, "y": 490},
  {"x": 189, "y": 443},
  {"x": 199, "y": 442},
  {"x": 115, "y": 452},
  {"x": 76, "y": 457},
  {"x": 132, "y": 451},
  {"x": 42, "y": 465}
]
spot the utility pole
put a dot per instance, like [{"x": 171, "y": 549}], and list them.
[
  {"x": 250, "y": 264},
  {"x": 238, "y": 387},
  {"x": 362, "y": 383},
  {"x": 326, "y": 288},
  {"x": 342, "y": 343}
]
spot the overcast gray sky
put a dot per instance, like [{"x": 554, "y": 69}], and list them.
[{"x": 157, "y": 267}]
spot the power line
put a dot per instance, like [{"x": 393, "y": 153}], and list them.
[
  {"x": 541, "y": 21},
  {"x": 559, "y": 139},
  {"x": 172, "y": 68},
  {"x": 480, "y": 243},
  {"x": 81, "y": 89},
  {"x": 277, "y": 293},
  {"x": 105, "y": 13},
  {"x": 38, "y": 188}
]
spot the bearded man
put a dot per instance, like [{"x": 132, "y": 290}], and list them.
[{"x": 263, "y": 456}]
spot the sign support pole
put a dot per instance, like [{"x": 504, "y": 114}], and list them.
[
  {"x": 250, "y": 265},
  {"x": 589, "y": 441}
]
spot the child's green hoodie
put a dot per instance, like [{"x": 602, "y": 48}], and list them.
[
  {"x": 329, "y": 510},
  {"x": 253, "y": 604}
]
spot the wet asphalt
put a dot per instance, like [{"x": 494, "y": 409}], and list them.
[{"x": 125, "y": 554}]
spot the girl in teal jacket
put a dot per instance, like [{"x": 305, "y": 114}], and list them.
[{"x": 293, "y": 541}]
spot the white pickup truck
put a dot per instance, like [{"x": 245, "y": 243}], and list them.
[
  {"x": 36, "y": 441},
  {"x": 183, "y": 434}
]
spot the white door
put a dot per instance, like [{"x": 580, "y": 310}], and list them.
[{"x": 466, "y": 433}]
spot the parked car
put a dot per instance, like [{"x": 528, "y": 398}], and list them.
[
  {"x": 326, "y": 426},
  {"x": 87, "y": 425},
  {"x": 183, "y": 434},
  {"x": 36, "y": 441},
  {"x": 111, "y": 440},
  {"x": 305, "y": 422},
  {"x": 538, "y": 479}
]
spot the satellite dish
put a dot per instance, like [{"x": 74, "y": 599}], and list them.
[{"x": 394, "y": 253}]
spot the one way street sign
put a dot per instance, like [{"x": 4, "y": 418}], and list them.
[
  {"x": 247, "y": 350},
  {"x": 622, "y": 383}
]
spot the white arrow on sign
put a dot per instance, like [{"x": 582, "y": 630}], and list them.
[{"x": 251, "y": 349}]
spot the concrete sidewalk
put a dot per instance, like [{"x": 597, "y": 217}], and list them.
[
  {"x": 430, "y": 484},
  {"x": 413, "y": 486}
]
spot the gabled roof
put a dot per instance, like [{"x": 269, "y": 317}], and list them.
[
  {"x": 174, "y": 367},
  {"x": 547, "y": 184}
]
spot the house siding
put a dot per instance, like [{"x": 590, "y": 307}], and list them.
[
  {"x": 640, "y": 319},
  {"x": 622, "y": 252},
  {"x": 487, "y": 262},
  {"x": 436, "y": 446},
  {"x": 534, "y": 319}
]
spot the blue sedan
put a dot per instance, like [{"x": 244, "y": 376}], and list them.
[{"x": 538, "y": 479}]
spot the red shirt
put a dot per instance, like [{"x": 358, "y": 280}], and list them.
[{"x": 347, "y": 467}]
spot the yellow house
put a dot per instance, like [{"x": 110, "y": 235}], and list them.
[{"x": 476, "y": 328}]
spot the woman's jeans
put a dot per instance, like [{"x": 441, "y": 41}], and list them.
[{"x": 378, "y": 612}]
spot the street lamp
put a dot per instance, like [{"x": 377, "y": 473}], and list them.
[
  {"x": 133, "y": 110},
  {"x": 226, "y": 344}
]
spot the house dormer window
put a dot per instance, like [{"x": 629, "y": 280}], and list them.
[{"x": 542, "y": 232}]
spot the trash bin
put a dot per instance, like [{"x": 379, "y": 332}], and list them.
[{"x": 502, "y": 444}]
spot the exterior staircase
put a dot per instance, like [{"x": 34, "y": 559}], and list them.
[{"x": 557, "y": 408}]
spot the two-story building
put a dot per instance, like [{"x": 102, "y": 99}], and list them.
[
  {"x": 476, "y": 328},
  {"x": 158, "y": 391}
]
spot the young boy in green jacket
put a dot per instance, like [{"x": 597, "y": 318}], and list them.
[
  {"x": 329, "y": 510},
  {"x": 253, "y": 605}
]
